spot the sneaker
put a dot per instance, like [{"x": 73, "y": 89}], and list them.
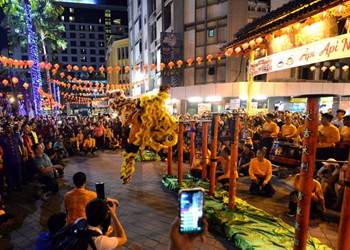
[
  {"x": 290, "y": 214},
  {"x": 241, "y": 174}
]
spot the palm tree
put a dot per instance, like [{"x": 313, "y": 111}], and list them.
[{"x": 32, "y": 23}]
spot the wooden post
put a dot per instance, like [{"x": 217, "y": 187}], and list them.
[
  {"x": 344, "y": 225},
  {"x": 181, "y": 151},
  {"x": 214, "y": 144},
  {"x": 170, "y": 160},
  {"x": 234, "y": 158},
  {"x": 307, "y": 169},
  {"x": 193, "y": 138},
  {"x": 205, "y": 126}
]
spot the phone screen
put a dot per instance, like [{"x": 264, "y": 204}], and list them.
[{"x": 191, "y": 210}]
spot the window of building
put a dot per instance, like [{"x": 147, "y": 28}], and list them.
[
  {"x": 72, "y": 27},
  {"x": 71, "y": 10},
  {"x": 73, "y": 51},
  {"x": 108, "y": 22},
  {"x": 211, "y": 33},
  {"x": 81, "y": 27},
  {"x": 82, "y": 35},
  {"x": 100, "y": 20},
  {"x": 167, "y": 16},
  {"x": 71, "y": 19},
  {"x": 24, "y": 57},
  {"x": 102, "y": 59},
  {"x": 100, "y": 28},
  {"x": 119, "y": 53},
  {"x": 62, "y": 18},
  {"x": 119, "y": 30},
  {"x": 83, "y": 43},
  {"x": 82, "y": 51},
  {"x": 92, "y": 44},
  {"x": 101, "y": 37},
  {"x": 101, "y": 44},
  {"x": 92, "y": 51},
  {"x": 101, "y": 52},
  {"x": 91, "y": 28},
  {"x": 126, "y": 52},
  {"x": 92, "y": 36},
  {"x": 74, "y": 59},
  {"x": 65, "y": 58},
  {"x": 93, "y": 59},
  {"x": 64, "y": 35},
  {"x": 83, "y": 59},
  {"x": 72, "y": 35},
  {"x": 117, "y": 21},
  {"x": 73, "y": 43}
]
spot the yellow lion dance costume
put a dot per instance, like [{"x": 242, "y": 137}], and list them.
[{"x": 151, "y": 125}]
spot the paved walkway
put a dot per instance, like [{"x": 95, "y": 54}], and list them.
[{"x": 146, "y": 207}]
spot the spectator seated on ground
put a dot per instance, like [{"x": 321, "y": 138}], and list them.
[
  {"x": 197, "y": 163},
  {"x": 76, "y": 200},
  {"x": 260, "y": 171},
  {"x": 55, "y": 223},
  {"x": 339, "y": 187},
  {"x": 225, "y": 161},
  {"x": 46, "y": 171},
  {"x": 318, "y": 208},
  {"x": 96, "y": 212},
  {"x": 244, "y": 161},
  {"x": 328, "y": 175},
  {"x": 89, "y": 145},
  {"x": 60, "y": 147}
]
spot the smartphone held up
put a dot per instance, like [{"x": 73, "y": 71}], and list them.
[{"x": 191, "y": 210}]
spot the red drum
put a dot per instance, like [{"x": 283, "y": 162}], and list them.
[{"x": 285, "y": 154}]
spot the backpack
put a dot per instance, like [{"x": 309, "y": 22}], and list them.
[{"x": 74, "y": 237}]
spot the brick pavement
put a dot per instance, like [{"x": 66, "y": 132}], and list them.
[{"x": 146, "y": 207}]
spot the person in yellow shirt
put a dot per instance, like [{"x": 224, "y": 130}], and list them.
[
  {"x": 269, "y": 132},
  {"x": 328, "y": 136},
  {"x": 89, "y": 145},
  {"x": 288, "y": 131},
  {"x": 197, "y": 163},
  {"x": 80, "y": 137},
  {"x": 260, "y": 172},
  {"x": 342, "y": 148},
  {"x": 225, "y": 162}
]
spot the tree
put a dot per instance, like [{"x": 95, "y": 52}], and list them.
[{"x": 35, "y": 22}]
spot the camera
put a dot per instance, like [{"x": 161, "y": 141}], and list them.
[{"x": 100, "y": 190}]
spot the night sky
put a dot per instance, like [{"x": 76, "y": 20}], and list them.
[{"x": 3, "y": 38}]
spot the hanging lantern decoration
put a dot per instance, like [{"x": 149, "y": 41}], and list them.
[
  {"x": 162, "y": 66},
  {"x": 117, "y": 68},
  {"x": 23, "y": 64},
  {"x": 5, "y": 82},
  {"x": 102, "y": 69},
  {"x": 345, "y": 67},
  {"x": 84, "y": 68},
  {"x": 171, "y": 64},
  {"x": 323, "y": 15},
  {"x": 76, "y": 68},
  {"x": 56, "y": 66},
  {"x": 245, "y": 46},
  {"x": 126, "y": 69},
  {"x": 278, "y": 33},
  {"x": 263, "y": 51},
  {"x": 153, "y": 66},
  {"x": 179, "y": 63},
  {"x": 42, "y": 65},
  {"x": 259, "y": 40},
  {"x": 324, "y": 68},
  {"x": 107, "y": 86},
  {"x": 10, "y": 61},
  {"x": 91, "y": 69},
  {"x": 339, "y": 10},
  {"x": 228, "y": 52},
  {"x": 189, "y": 61},
  {"x": 30, "y": 63},
  {"x": 62, "y": 74},
  {"x": 268, "y": 37},
  {"x": 16, "y": 63},
  {"x": 4, "y": 59},
  {"x": 346, "y": 25},
  {"x": 199, "y": 60},
  {"x": 332, "y": 68},
  {"x": 68, "y": 85},
  {"x": 238, "y": 49},
  {"x": 310, "y": 21},
  {"x": 69, "y": 67},
  {"x": 312, "y": 68},
  {"x": 137, "y": 67},
  {"x": 79, "y": 81},
  {"x": 251, "y": 43},
  {"x": 209, "y": 57},
  {"x": 145, "y": 67},
  {"x": 25, "y": 85},
  {"x": 14, "y": 80},
  {"x": 69, "y": 78},
  {"x": 219, "y": 55},
  {"x": 109, "y": 69},
  {"x": 74, "y": 80},
  {"x": 54, "y": 71},
  {"x": 256, "y": 52}
]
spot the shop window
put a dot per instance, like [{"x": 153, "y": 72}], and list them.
[{"x": 211, "y": 33}]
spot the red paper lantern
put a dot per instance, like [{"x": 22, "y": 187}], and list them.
[
  {"x": 5, "y": 82},
  {"x": 91, "y": 69},
  {"x": 137, "y": 67},
  {"x": 162, "y": 66},
  {"x": 189, "y": 61},
  {"x": 179, "y": 63},
  {"x": 110, "y": 69},
  {"x": 76, "y": 68},
  {"x": 219, "y": 55},
  {"x": 268, "y": 37},
  {"x": 14, "y": 80},
  {"x": 153, "y": 66},
  {"x": 199, "y": 60},
  {"x": 145, "y": 67},
  {"x": 171, "y": 64},
  {"x": 69, "y": 67},
  {"x": 25, "y": 85}
]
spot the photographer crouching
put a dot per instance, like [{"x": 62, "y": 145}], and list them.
[{"x": 55, "y": 156}]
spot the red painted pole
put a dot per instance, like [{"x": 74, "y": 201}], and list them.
[
  {"x": 344, "y": 225},
  {"x": 307, "y": 169},
  {"x": 192, "y": 142},
  {"x": 170, "y": 160},
  {"x": 181, "y": 151},
  {"x": 234, "y": 159},
  {"x": 205, "y": 125},
  {"x": 214, "y": 144}
]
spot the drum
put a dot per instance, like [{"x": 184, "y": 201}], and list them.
[{"x": 285, "y": 154}]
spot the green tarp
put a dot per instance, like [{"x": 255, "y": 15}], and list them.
[{"x": 246, "y": 226}]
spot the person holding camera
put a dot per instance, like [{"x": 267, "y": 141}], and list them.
[
  {"x": 96, "y": 212},
  {"x": 47, "y": 171}
]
